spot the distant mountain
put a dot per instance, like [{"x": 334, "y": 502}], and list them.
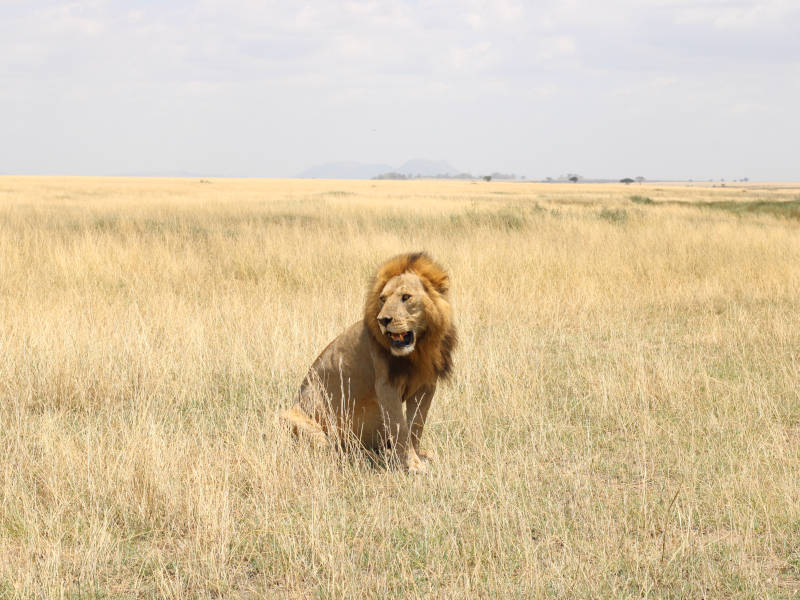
[
  {"x": 344, "y": 170},
  {"x": 426, "y": 168},
  {"x": 356, "y": 170}
]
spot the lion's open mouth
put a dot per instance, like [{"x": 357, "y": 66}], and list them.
[{"x": 400, "y": 340}]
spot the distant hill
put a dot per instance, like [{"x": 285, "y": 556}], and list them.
[
  {"x": 356, "y": 170},
  {"x": 344, "y": 170},
  {"x": 426, "y": 168}
]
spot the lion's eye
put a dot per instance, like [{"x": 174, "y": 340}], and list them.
[
  {"x": 382, "y": 299},
  {"x": 406, "y": 297}
]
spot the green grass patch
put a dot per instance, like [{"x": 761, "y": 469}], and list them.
[
  {"x": 614, "y": 215},
  {"x": 641, "y": 200},
  {"x": 789, "y": 209}
]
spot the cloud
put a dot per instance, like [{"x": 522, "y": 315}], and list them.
[
  {"x": 554, "y": 47},
  {"x": 737, "y": 15},
  {"x": 450, "y": 75}
]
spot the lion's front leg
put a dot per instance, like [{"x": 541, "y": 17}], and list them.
[
  {"x": 396, "y": 429},
  {"x": 416, "y": 414}
]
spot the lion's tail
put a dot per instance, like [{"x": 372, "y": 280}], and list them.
[{"x": 300, "y": 422}]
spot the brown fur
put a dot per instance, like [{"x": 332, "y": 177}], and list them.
[{"x": 358, "y": 385}]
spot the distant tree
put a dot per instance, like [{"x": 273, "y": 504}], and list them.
[
  {"x": 626, "y": 181},
  {"x": 574, "y": 178},
  {"x": 640, "y": 179},
  {"x": 487, "y": 177}
]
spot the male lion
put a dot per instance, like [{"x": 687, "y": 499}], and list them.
[{"x": 356, "y": 388}]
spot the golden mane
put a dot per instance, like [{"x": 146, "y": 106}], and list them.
[{"x": 432, "y": 356}]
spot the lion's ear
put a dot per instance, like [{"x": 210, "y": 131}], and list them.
[
  {"x": 441, "y": 283},
  {"x": 436, "y": 275}
]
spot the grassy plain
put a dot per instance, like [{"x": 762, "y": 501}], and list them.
[{"x": 624, "y": 419}]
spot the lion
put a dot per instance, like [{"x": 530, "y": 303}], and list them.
[{"x": 395, "y": 355}]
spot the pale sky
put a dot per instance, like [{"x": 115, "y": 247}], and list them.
[{"x": 612, "y": 88}]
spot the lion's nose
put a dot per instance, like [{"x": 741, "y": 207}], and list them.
[{"x": 384, "y": 320}]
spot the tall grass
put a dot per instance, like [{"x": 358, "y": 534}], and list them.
[{"x": 624, "y": 418}]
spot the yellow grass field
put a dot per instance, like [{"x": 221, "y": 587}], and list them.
[{"x": 623, "y": 421}]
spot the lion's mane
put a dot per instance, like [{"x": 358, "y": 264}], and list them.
[{"x": 432, "y": 357}]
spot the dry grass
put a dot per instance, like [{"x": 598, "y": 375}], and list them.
[{"x": 624, "y": 420}]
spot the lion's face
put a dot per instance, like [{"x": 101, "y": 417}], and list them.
[
  {"x": 408, "y": 314},
  {"x": 402, "y": 316}
]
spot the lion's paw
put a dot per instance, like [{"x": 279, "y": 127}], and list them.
[
  {"x": 416, "y": 466},
  {"x": 425, "y": 456}
]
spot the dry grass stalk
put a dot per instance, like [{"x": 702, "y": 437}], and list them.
[{"x": 151, "y": 329}]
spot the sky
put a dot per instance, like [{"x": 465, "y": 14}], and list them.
[{"x": 668, "y": 89}]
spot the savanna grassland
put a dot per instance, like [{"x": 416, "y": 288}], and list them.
[{"x": 623, "y": 420}]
